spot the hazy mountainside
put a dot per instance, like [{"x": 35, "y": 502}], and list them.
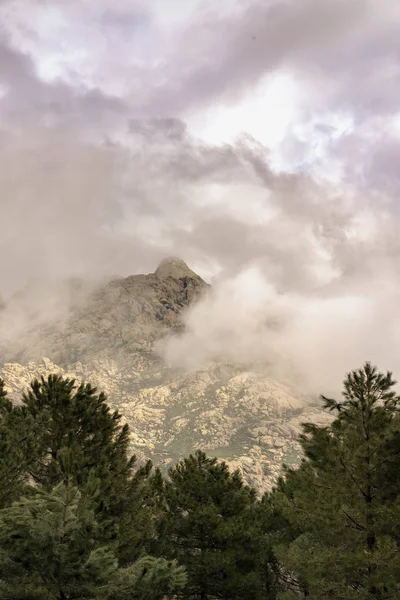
[
  {"x": 117, "y": 319},
  {"x": 111, "y": 340}
]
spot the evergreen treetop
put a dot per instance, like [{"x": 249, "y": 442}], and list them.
[{"x": 342, "y": 504}]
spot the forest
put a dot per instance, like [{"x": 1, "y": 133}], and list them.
[{"x": 81, "y": 519}]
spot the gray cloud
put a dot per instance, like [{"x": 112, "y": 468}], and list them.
[
  {"x": 347, "y": 49},
  {"x": 338, "y": 47},
  {"x": 93, "y": 185}
]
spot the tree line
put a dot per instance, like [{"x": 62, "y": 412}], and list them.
[{"x": 79, "y": 519}]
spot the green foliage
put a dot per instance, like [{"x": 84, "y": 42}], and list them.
[
  {"x": 19, "y": 448},
  {"x": 80, "y": 436},
  {"x": 79, "y": 520},
  {"x": 210, "y": 526},
  {"x": 50, "y": 548},
  {"x": 79, "y": 433},
  {"x": 342, "y": 505},
  {"x": 136, "y": 519}
]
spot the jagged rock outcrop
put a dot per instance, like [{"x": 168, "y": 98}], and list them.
[
  {"x": 110, "y": 340},
  {"x": 124, "y": 316}
]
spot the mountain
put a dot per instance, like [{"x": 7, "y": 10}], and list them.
[
  {"x": 117, "y": 320},
  {"x": 111, "y": 338}
]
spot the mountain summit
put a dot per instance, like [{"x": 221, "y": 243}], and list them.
[
  {"x": 174, "y": 267},
  {"x": 118, "y": 318}
]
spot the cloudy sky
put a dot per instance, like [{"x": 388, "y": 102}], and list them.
[{"x": 259, "y": 141}]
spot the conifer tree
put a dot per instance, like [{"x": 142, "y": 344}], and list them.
[
  {"x": 18, "y": 448},
  {"x": 211, "y": 527},
  {"x": 76, "y": 419},
  {"x": 51, "y": 548},
  {"x": 78, "y": 436},
  {"x": 343, "y": 504}
]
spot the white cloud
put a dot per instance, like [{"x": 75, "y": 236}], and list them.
[{"x": 266, "y": 113}]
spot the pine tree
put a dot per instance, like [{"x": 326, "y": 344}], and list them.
[
  {"x": 18, "y": 448},
  {"x": 79, "y": 436},
  {"x": 136, "y": 520},
  {"x": 343, "y": 504},
  {"x": 211, "y": 527},
  {"x": 51, "y": 548},
  {"x": 76, "y": 419}
]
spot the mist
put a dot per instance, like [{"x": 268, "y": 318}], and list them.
[
  {"x": 305, "y": 340},
  {"x": 107, "y": 166}
]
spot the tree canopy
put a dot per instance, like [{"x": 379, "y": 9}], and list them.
[{"x": 80, "y": 518}]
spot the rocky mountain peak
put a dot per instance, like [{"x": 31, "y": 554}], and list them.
[
  {"x": 175, "y": 268},
  {"x": 116, "y": 319}
]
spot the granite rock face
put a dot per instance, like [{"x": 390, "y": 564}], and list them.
[
  {"x": 117, "y": 319},
  {"x": 111, "y": 341}
]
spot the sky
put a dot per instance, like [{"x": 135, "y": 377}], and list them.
[{"x": 259, "y": 141}]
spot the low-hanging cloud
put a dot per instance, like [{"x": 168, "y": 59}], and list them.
[{"x": 309, "y": 341}]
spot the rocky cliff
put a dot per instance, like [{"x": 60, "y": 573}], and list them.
[{"x": 111, "y": 340}]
